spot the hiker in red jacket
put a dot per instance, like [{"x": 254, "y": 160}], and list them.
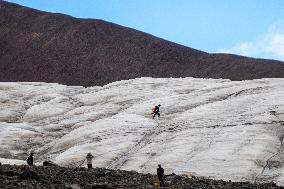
[{"x": 156, "y": 111}]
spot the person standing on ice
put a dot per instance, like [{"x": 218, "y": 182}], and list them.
[
  {"x": 30, "y": 159},
  {"x": 156, "y": 111},
  {"x": 160, "y": 174},
  {"x": 89, "y": 158}
]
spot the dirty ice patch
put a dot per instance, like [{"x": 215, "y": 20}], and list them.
[
  {"x": 51, "y": 108},
  {"x": 110, "y": 137},
  {"x": 13, "y": 138}
]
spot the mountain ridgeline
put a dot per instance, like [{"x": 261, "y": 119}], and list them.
[{"x": 39, "y": 46}]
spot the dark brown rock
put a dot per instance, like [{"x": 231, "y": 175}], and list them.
[
  {"x": 41, "y": 46},
  {"x": 49, "y": 163}
]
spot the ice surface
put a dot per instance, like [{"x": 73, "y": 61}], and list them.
[{"x": 208, "y": 127}]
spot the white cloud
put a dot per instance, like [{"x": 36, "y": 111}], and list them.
[{"x": 268, "y": 45}]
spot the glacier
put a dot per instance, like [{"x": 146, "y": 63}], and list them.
[{"x": 216, "y": 128}]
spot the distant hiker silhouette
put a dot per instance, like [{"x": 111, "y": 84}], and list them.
[
  {"x": 160, "y": 174},
  {"x": 89, "y": 158},
  {"x": 156, "y": 111},
  {"x": 30, "y": 159}
]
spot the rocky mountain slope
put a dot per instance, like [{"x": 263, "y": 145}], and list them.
[
  {"x": 41, "y": 46},
  {"x": 19, "y": 177}
]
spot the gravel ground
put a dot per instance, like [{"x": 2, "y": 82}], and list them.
[{"x": 12, "y": 176}]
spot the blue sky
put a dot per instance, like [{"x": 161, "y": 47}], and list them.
[{"x": 247, "y": 27}]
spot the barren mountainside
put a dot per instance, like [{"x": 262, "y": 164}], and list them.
[{"x": 41, "y": 46}]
